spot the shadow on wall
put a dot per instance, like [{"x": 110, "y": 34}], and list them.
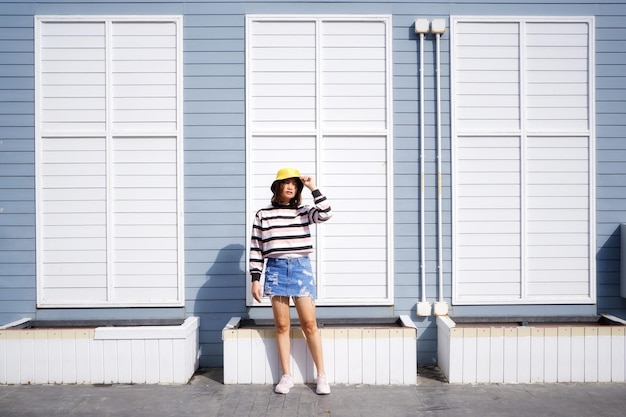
[
  {"x": 608, "y": 275},
  {"x": 222, "y": 296}
]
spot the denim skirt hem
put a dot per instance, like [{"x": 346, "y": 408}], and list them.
[{"x": 289, "y": 277}]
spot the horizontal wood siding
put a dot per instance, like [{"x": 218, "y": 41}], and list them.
[
  {"x": 17, "y": 205},
  {"x": 215, "y": 171},
  {"x": 610, "y": 153},
  {"x": 215, "y": 212}
]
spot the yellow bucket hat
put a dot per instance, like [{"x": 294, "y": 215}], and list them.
[{"x": 285, "y": 173}]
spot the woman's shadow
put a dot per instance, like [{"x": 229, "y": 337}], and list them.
[{"x": 220, "y": 297}]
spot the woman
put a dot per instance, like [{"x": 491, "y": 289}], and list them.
[{"x": 281, "y": 235}]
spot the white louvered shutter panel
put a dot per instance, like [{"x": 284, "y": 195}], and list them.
[
  {"x": 144, "y": 76},
  {"x": 72, "y": 77},
  {"x": 319, "y": 101},
  {"x": 109, "y": 195},
  {"x": 487, "y": 86},
  {"x": 523, "y": 199},
  {"x": 283, "y": 79},
  {"x": 354, "y": 76}
]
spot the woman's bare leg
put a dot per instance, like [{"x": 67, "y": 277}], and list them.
[
  {"x": 306, "y": 313},
  {"x": 282, "y": 324}
]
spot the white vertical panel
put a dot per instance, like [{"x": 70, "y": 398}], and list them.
[
  {"x": 618, "y": 355},
  {"x": 258, "y": 367},
  {"x": 181, "y": 375},
  {"x": 3, "y": 357},
  {"x": 328, "y": 349},
  {"x": 41, "y": 357},
  {"x": 369, "y": 351},
  {"x": 109, "y": 348},
  {"x": 244, "y": 358},
  {"x": 27, "y": 363},
  {"x": 13, "y": 355},
  {"x": 537, "y": 349},
  {"x": 83, "y": 340},
  {"x": 383, "y": 371},
  {"x": 355, "y": 358},
  {"x": 578, "y": 355},
  {"x": 469, "y": 355},
  {"x": 591, "y": 354},
  {"x": 455, "y": 364},
  {"x": 96, "y": 361},
  {"x": 124, "y": 361},
  {"x": 229, "y": 338},
  {"x": 166, "y": 361},
  {"x": 604, "y": 354},
  {"x": 551, "y": 354},
  {"x": 564, "y": 360},
  {"x": 68, "y": 348},
  {"x": 153, "y": 370},
  {"x": 496, "y": 355},
  {"x": 396, "y": 356},
  {"x": 138, "y": 361},
  {"x": 524, "y": 355},
  {"x": 511, "y": 355},
  {"x": 410, "y": 356},
  {"x": 342, "y": 353},
  {"x": 55, "y": 356},
  {"x": 483, "y": 354}
]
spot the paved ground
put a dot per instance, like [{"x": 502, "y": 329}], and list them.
[{"x": 205, "y": 395}]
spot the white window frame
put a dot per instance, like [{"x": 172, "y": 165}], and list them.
[
  {"x": 524, "y": 132},
  {"x": 109, "y": 133},
  {"x": 318, "y": 133}
]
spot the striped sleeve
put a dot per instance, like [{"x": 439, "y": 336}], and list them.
[
  {"x": 256, "y": 250},
  {"x": 321, "y": 211}
]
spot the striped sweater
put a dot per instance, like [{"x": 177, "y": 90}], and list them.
[{"x": 285, "y": 230}]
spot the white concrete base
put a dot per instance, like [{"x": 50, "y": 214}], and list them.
[
  {"x": 381, "y": 356},
  {"x": 102, "y": 355},
  {"x": 531, "y": 354}
]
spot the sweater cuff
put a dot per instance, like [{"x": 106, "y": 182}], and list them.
[{"x": 256, "y": 276}]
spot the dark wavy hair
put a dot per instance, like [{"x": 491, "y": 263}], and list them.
[{"x": 277, "y": 189}]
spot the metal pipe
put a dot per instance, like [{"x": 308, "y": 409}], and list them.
[
  {"x": 438, "y": 26},
  {"x": 439, "y": 199}
]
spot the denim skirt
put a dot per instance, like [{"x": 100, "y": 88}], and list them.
[{"x": 291, "y": 277}]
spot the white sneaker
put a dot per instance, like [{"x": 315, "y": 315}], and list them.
[
  {"x": 322, "y": 385},
  {"x": 286, "y": 382}
]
